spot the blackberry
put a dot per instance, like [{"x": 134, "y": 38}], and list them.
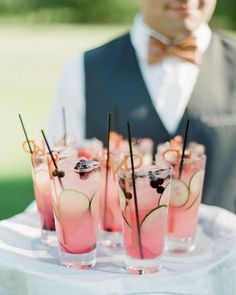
[
  {"x": 160, "y": 189},
  {"x": 153, "y": 183},
  {"x": 84, "y": 175},
  {"x": 160, "y": 181}
]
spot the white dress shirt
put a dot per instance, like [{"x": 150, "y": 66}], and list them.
[{"x": 169, "y": 83}]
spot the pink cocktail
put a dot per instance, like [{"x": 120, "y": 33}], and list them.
[
  {"x": 43, "y": 195},
  {"x": 144, "y": 233},
  {"x": 109, "y": 209},
  {"x": 186, "y": 194},
  {"x": 75, "y": 200},
  {"x": 110, "y": 215}
]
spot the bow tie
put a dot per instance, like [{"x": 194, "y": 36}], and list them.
[{"x": 186, "y": 50}]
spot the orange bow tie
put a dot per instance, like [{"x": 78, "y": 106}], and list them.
[{"x": 186, "y": 50}]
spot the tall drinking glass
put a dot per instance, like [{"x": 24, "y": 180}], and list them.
[
  {"x": 186, "y": 194},
  {"x": 110, "y": 215},
  {"x": 43, "y": 196},
  {"x": 144, "y": 216},
  {"x": 75, "y": 189}
]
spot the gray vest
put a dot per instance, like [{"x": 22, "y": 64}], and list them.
[{"x": 113, "y": 79}]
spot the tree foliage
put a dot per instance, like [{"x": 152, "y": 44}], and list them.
[{"x": 93, "y": 11}]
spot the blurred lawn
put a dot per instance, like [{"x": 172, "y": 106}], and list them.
[{"x": 31, "y": 59}]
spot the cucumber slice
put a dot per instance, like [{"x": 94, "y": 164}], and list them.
[
  {"x": 73, "y": 202},
  {"x": 196, "y": 182},
  {"x": 152, "y": 230},
  {"x": 94, "y": 203},
  {"x": 123, "y": 201},
  {"x": 125, "y": 219},
  {"x": 191, "y": 201},
  {"x": 55, "y": 208},
  {"x": 153, "y": 217},
  {"x": 179, "y": 193},
  {"x": 165, "y": 196},
  {"x": 195, "y": 187}
]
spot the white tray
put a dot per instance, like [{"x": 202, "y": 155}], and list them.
[{"x": 27, "y": 267}]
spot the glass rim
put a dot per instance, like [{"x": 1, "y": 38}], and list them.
[
  {"x": 164, "y": 167},
  {"x": 192, "y": 159},
  {"x": 195, "y": 159}
]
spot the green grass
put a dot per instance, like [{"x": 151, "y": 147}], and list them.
[
  {"x": 16, "y": 194},
  {"x": 31, "y": 60}
]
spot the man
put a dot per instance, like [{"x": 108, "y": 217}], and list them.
[{"x": 170, "y": 60}]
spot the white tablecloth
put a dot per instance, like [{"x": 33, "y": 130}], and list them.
[{"x": 27, "y": 267}]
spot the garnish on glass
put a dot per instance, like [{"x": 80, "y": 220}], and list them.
[
  {"x": 26, "y": 136},
  {"x": 56, "y": 172}
]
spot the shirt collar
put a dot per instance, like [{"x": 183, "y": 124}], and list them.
[{"x": 140, "y": 33}]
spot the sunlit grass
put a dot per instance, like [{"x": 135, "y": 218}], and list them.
[{"x": 31, "y": 60}]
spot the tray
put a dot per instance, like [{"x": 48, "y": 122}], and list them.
[{"x": 28, "y": 267}]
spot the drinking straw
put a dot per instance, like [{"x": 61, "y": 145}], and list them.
[
  {"x": 184, "y": 147},
  {"x": 27, "y": 139},
  {"x": 64, "y": 124},
  {"x": 49, "y": 149},
  {"x": 107, "y": 164},
  {"x": 59, "y": 178},
  {"x": 134, "y": 188},
  {"x": 186, "y": 114},
  {"x": 51, "y": 155}
]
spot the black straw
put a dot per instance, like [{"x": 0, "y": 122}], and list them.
[
  {"x": 49, "y": 149},
  {"x": 107, "y": 165},
  {"x": 53, "y": 160},
  {"x": 184, "y": 147},
  {"x": 64, "y": 125},
  {"x": 26, "y": 136},
  {"x": 134, "y": 188}
]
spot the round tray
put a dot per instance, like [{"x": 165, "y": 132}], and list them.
[{"x": 28, "y": 267}]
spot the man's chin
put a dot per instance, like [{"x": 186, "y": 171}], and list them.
[{"x": 186, "y": 25}]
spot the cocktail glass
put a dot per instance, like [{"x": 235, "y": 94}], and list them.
[
  {"x": 109, "y": 210},
  {"x": 143, "y": 147},
  {"x": 75, "y": 188},
  {"x": 186, "y": 194},
  {"x": 43, "y": 196},
  {"x": 89, "y": 148},
  {"x": 110, "y": 215},
  {"x": 144, "y": 225}
]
